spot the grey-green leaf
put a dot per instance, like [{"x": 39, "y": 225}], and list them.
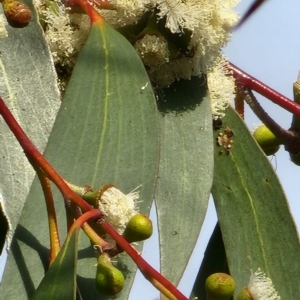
[
  {"x": 256, "y": 224},
  {"x": 185, "y": 171},
  {"x": 28, "y": 87},
  {"x": 106, "y": 132}
]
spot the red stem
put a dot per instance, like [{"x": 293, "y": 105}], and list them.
[
  {"x": 95, "y": 17},
  {"x": 101, "y": 4},
  {"x": 38, "y": 160},
  {"x": 144, "y": 267},
  {"x": 90, "y": 215},
  {"x": 89, "y": 231},
  {"x": 250, "y": 82},
  {"x": 36, "y": 157}
]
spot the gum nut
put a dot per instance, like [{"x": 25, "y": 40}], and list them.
[
  {"x": 109, "y": 279},
  {"x": 18, "y": 14},
  {"x": 139, "y": 228},
  {"x": 266, "y": 140},
  {"x": 219, "y": 286}
]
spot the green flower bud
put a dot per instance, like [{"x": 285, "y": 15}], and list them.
[
  {"x": 244, "y": 295},
  {"x": 109, "y": 279},
  {"x": 219, "y": 286},
  {"x": 269, "y": 143},
  {"x": 139, "y": 228}
]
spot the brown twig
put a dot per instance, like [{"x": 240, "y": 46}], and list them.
[
  {"x": 239, "y": 104},
  {"x": 289, "y": 138},
  {"x": 253, "y": 7}
]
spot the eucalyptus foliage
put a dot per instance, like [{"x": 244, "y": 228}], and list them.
[{"x": 145, "y": 109}]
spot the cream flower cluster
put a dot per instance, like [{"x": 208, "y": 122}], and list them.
[
  {"x": 221, "y": 87},
  {"x": 65, "y": 33},
  {"x": 207, "y": 21},
  {"x": 202, "y": 26},
  {"x": 180, "y": 14}
]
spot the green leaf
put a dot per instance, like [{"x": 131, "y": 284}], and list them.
[
  {"x": 60, "y": 280},
  {"x": 256, "y": 224},
  {"x": 29, "y": 88},
  {"x": 185, "y": 171},
  {"x": 106, "y": 132},
  {"x": 214, "y": 261}
]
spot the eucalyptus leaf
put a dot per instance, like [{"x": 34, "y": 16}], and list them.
[
  {"x": 106, "y": 132},
  {"x": 60, "y": 280},
  {"x": 185, "y": 171},
  {"x": 256, "y": 224},
  {"x": 29, "y": 88}
]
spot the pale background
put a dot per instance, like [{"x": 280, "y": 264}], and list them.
[{"x": 267, "y": 47}]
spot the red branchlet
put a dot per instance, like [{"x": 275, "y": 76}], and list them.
[
  {"x": 36, "y": 158},
  {"x": 248, "y": 81},
  {"x": 88, "y": 216},
  {"x": 144, "y": 267}
]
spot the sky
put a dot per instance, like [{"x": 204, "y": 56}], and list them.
[{"x": 267, "y": 47}]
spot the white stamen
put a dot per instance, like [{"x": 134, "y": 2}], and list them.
[
  {"x": 118, "y": 207},
  {"x": 261, "y": 287}
]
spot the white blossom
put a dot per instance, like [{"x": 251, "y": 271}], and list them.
[
  {"x": 118, "y": 207},
  {"x": 221, "y": 87},
  {"x": 181, "y": 14},
  {"x": 127, "y": 11},
  {"x": 176, "y": 69},
  {"x": 65, "y": 33},
  {"x": 207, "y": 22},
  {"x": 200, "y": 26},
  {"x": 261, "y": 287},
  {"x": 153, "y": 50}
]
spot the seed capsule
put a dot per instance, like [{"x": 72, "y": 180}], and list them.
[
  {"x": 269, "y": 143},
  {"x": 18, "y": 14},
  {"x": 109, "y": 279},
  {"x": 139, "y": 228},
  {"x": 219, "y": 286}
]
